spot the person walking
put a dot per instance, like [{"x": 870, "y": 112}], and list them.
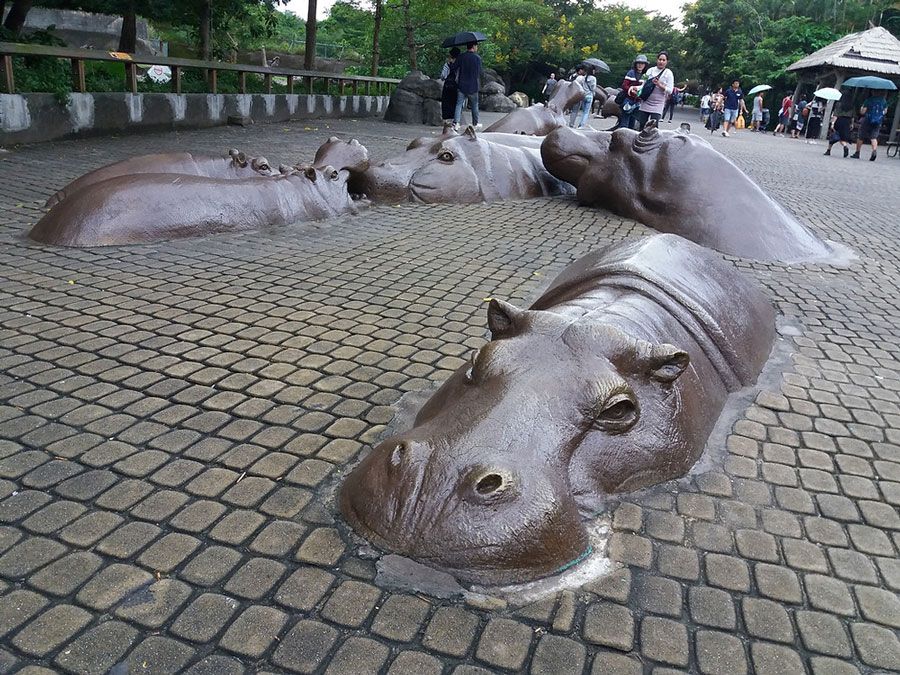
[
  {"x": 630, "y": 87},
  {"x": 704, "y": 107},
  {"x": 660, "y": 82},
  {"x": 784, "y": 115},
  {"x": 673, "y": 100},
  {"x": 756, "y": 117},
  {"x": 872, "y": 110},
  {"x": 450, "y": 88},
  {"x": 841, "y": 125},
  {"x": 587, "y": 82},
  {"x": 734, "y": 105},
  {"x": 549, "y": 86},
  {"x": 469, "y": 80}
]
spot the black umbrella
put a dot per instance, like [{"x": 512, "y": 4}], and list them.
[
  {"x": 598, "y": 64},
  {"x": 465, "y": 38}
]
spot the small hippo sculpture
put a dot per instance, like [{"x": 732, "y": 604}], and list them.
[
  {"x": 663, "y": 180},
  {"x": 236, "y": 165},
  {"x": 462, "y": 169},
  {"x": 540, "y": 119},
  {"x": 151, "y": 207},
  {"x": 611, "y": 381}
]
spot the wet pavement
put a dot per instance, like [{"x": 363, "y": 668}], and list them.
[{"x": 174, "y": 419}]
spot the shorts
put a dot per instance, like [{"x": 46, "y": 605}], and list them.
[
  {"x": 756, "y": 117},
  {"x": 784, "y": 119},
  {"x": 869, "y": 131},
  {"x": 704, "y": 112},
  {"x": 730, "y": 115}
]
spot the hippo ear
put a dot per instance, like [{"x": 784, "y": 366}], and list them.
[
  {"x": 503, "y": 319},
  {"x": 665, "y": 362},
  {"x": 470, "y": 132}
]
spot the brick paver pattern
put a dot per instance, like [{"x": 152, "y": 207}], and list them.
[{"x": 175, "y": 417}]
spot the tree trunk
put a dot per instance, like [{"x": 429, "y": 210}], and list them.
[
  {"x": 2, "y": 9},
  {"x": 376, "y": 37},
  {"x": 410, "y": 36},
  {"x": 205, "y": 29},
  {"x": 128, "y": 38},
  {"x": 309, "y": 60},
  {"x": 15, "y": 20}
]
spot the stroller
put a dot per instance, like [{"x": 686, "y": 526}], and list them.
[{"x": 714, "y": 121}]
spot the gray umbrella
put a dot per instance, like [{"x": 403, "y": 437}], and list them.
[{"x": 598, "y": 64}]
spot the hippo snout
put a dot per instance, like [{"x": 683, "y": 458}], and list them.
[{"x": 386, "y": 183}]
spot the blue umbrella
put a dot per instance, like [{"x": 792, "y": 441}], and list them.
[{"x": 870, "y": 82}]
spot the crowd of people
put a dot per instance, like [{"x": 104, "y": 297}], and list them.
[{"x": 648, "y": 93}]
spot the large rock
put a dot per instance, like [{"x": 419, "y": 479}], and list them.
[
  {"x": 431, "y": 113},
  {"x": 405, "y": 106},
  {"x": 519, "y": 98},
  {"x": 497, "y": 103},
  {"x": 492, "y": 88},
  {"x": 489, "y": 75}
]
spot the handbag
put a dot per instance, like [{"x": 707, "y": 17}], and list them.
[{"x": 649, "y": 86}]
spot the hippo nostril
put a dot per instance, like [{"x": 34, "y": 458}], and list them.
[{"x": 489, "y": 484}]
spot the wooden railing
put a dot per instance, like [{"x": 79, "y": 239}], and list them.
[{"x": 130, "y": 62}]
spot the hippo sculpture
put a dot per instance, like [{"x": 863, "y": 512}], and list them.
[
  {"x": 463, "y": 169},
  {"x": 676, "y": 182},
  {"x": 236, "y": 165},
  {"x": 148, "y": 207},
  {"x": 540, "y": 119},
  {"x": 611, "y": 381}
]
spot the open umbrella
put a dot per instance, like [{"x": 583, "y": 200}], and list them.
[
  {"x": 758, "y": 88},
  {"x": 598, "y": 64},
  {"x": 870, "y": 82},
  {"x": 464, "y": 38},
  {"x": 828, "y": 93}
]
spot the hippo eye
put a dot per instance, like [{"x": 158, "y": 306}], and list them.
[
  {"x": 445, "y": 156},
  {"x": 619, "y": 413},
  {"x": 489, "y": 484}
]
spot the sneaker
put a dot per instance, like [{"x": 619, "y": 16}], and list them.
[
  {"x": 479, "y": 126},
  {"x": 846, "y": 152},
  {"x": 828, "y": 151},
  {"x": 874, "y": 155},
  {"x": 855, "y": 155},
  {"x": 725, "y": 134},
  {"x": 455, "y": 126}
]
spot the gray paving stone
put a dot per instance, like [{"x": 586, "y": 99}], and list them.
[
  {"x": 112, "y": 585},
  {"x": 67, "y": 574},
  {"x": 415, "y": 663},
  {"x": 155, "y": 605},
  {"x": 606, "y": 663},
  {"x": 97, "y": 650},
  {"x": 823, "y": 633},
  {"x": 664, "y": 640},
  {"x": 770, "y": 659},
  {"x": 29, "y": 555},
  {"x": 879, "y": 605},
  {"x": 727, "y": 572},
  {"x": 323, "y": 547},
  {"x": 779, "y": 583},
  {"x": 557, "y": 655},
  {"x": 825, "y": 665},
  {"x": 609, "y": 625},
  {"x": 877, "y": 646},
  {"x": 399, "y": 618},
  {"x": 767, "y": 619},
  {"x": 720, "y": 653},
  {"x": 254, "y": 631},
  {"x": 160, "y": 655},
  {"x": 17, "y": 607},
  {"x": 305, "y": 588},
  {"x": 711, "y": 607},
  {"x": 305, "y": 646},
  {"x": 358, "y": 655},
  {"x": 204, "y": 617},
  {"x": 255, "y": 578},
  {"x": 351, "y": 603},
  {"x": 210, "y": 566},
  {"x": 829, "y": 594},
  {"x": 450, "y": 631}
]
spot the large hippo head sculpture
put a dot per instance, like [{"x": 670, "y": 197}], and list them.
[
  {"x": 540, "y": 119},
  {"x": 235, "y": 165},
  {"x": 461, "y": 169},
  {"x": 676, "y": 182},
  {"x": 148, "y": 207},
  {"x": 610, "y": 382}
]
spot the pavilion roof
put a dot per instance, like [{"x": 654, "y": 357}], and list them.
[{"x": 873, "y": 51}]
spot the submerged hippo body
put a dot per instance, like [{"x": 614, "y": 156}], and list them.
[
  {"x": 611, "y": 381},
  {"x": 146, "y": 208},
  {"x": 461, "y": 169},
  {"x": 236, "y": 165},
  {"x": 540, "y": 119},
  {"x": 676, "y": 182}
]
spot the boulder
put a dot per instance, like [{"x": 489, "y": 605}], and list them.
[
  {"x": 405, "y": 107},
  {"x": 492, "y": 88},
  {"x": 490, "y": 75},
  {"x": 519, "y": 98},
  {"x": 497, "y": 103},
  {"x": 431, "y": 113}
]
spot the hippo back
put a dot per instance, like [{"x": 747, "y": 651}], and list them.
[{"x": 724, "y": 311}]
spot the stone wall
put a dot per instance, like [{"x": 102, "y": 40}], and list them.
[{"x": 33, "y": 118}]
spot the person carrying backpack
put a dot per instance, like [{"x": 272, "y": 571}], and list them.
[
  {"x": 588, "y": 82},
  {"x": 872, "y": 112}
]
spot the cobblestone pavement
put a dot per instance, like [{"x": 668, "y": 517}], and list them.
[{"x": 174, "y": 419}]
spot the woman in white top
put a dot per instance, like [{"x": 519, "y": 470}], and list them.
[{"x": 664, "y": 84}]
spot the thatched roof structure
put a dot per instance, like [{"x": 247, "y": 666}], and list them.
[{"x": 871, "y": 51}]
